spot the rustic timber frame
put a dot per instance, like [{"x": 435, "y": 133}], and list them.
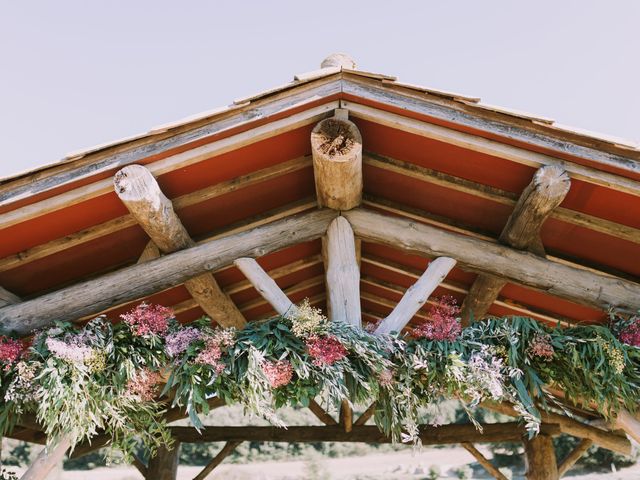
[{"x": 226, "y": 268}]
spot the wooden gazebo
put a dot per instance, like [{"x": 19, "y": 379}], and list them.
[{"x": 422, "y": 192}]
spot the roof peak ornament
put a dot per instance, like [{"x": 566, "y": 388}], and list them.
[{"x": 341, "y": 60}]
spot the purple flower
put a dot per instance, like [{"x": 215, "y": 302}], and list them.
[{"x": 178, "y": 342}]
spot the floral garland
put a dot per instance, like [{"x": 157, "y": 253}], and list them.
[{"x": 109, "y": 377}]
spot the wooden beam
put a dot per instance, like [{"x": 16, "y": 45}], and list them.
[
  {"x": 144, "y": 279},
  {"x": 8, "y": 298},
  {"x": 482, "y": 460},
  {"x": 336, "y": 146},
  {"x": 451, "y": 286},
  {"x": 629, "y": 423},
  {"x": 171, "y": 415},
  {"x": 343, "y": 274},
  {"x": 159, "y": 167},
  {"x": 540, "y": 458},
  {"x": 321, "y": 414},
  {"x": 126, "y": 221},
  {"x": 416, "y": 296},
  {"x": 544, "y": 193},
  {"x": 573, "y": 456},
  {"x": 523, "y": 268},
  {"x": 226, "y": 450},
  {"x": 265, "y": 285},
  {"x": 602, "y": 438},
  {"x": 445, "y": 434},
  {"x": 141, "y": 194},
  {"x": 164, "y": 465},
  {"x": 445, "y": 223},
  {"x": 46, "y": 460},
  {"x": 502, "y": 150},
  {"x": 497, "y": 195}
]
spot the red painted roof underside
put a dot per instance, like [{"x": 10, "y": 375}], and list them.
[{"x": 386, "y": 272}]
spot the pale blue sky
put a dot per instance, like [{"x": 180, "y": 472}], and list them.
[{"x": 78, "y": 73}]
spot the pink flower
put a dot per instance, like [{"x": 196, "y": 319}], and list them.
[
  {"x": 443, "y": 323},
  {"x": 325, "y": 350},
  {"x": 148, "y": 319},
  {"x": 214, "y": 348},
  {"x": 73, "y": 352},
  {"x": 540, "y": 346},
  {"x": 211, "y": 355},
  {"x": 178, "y": 342},
  {"x": 144, "y": 385},
  {"x": 10, "y": 350},
  {"x": 279, "y": 373},
  {"x": 631, "y": 334}
]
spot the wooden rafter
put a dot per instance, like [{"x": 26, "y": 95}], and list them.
[
  {"x": 144, "y": 279},
  {"x": 366, "y": 415},
  {"x": 546, "y": 191},
  {"x": 498, "y": 195},
  {"x": 141, "y": 194},
  {"x": 416, "y": 296},
  {"x": 523, "y": 268},
  {"x": 167, "y": 164},
  {"x": 343, "y": 274},
  {"x": 444, "y": 434},
  {"x": 492, "y": 147},
  {"x": 120, "y": 223}
]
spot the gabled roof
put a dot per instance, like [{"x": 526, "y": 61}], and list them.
[{"x": 436, "y": 157}]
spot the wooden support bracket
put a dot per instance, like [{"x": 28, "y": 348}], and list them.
[
  {"x": 482, "y": 460},
  {"x": 416, "y": 296},
  {"x": 227, "y": 450},
  {"x": 547, "y": 189},
  {"x": 141, "y": 194}
]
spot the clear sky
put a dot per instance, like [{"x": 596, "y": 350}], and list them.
[{"x": 78, "y": 73}]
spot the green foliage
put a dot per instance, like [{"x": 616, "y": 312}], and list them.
[{"x": 80, "y": 382}]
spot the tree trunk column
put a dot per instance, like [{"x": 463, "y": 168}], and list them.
[
  {"x": 164, "y": 466},
  {"x": 541, "y": 458}
]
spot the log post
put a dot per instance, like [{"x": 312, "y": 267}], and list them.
[
  {"x": 336, "y": 146},
  {"x": 540, "y": 458},
  {"x": 141, "y": 194},
  {"x": 343, "y": 274},
  {"x": 346, "y": 416},
  {"x": 416, "y": 296},
  {"x": 547, "y": 189},
  {"x": 164, "y": 465}
]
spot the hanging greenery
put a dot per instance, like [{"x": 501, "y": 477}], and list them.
[{"x": 118, "y": 378}]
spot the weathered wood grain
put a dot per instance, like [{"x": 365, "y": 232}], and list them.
[
  {"x": 144, "y": 279},
  {"x": 523, "y": 268}
]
